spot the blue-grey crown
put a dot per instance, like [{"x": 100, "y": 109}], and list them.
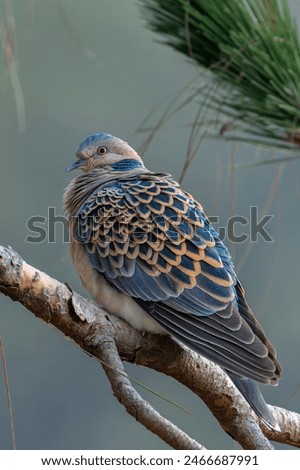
[{"x": 91, "y": 141}]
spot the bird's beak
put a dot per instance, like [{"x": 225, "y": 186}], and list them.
[{"x": 76, "y": 164}]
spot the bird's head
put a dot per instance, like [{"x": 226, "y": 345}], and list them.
[{"x": 107, "y": 153}]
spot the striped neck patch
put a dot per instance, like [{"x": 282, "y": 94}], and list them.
[{"x": 126, "y": 165}]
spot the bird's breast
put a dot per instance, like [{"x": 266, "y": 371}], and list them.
[{"x": 112, "y": 300}]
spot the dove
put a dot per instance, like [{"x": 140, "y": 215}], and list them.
[{"x": 145, "y": 251}]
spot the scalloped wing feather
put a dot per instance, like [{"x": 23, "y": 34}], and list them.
[{"x": 146, "y": 231}]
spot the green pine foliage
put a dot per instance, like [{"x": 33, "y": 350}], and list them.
[{"x": 251, "y": 47}]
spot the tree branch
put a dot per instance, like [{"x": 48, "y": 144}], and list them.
[
  {"x": 135, "y": 405},
  {"x": 109, "y": 338}
]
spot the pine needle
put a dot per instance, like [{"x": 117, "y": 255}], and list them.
[
  {"x": 252, "y": 49},
  {"x": 145, "y": 387}
]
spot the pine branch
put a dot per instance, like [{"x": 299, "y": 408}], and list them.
[{"x": 252, "y": 49}]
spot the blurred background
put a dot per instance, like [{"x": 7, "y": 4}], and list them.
[{"x": 93, "y": 66}]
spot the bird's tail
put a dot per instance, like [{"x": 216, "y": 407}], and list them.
[{"x": 252, "y": 394}]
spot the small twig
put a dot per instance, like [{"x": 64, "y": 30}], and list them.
[
  {"x": 187, "y": 32},
  {"x": 8, "y": 395},
  {"x": 8, "y": 45},
  {"x": 272, "y": 192},
  {"x": 88, "y": 53}
]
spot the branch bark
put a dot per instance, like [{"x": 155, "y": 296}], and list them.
[{"x": 112, "y": 340}]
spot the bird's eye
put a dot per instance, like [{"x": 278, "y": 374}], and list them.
[{"x": 101, "y": 150}]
